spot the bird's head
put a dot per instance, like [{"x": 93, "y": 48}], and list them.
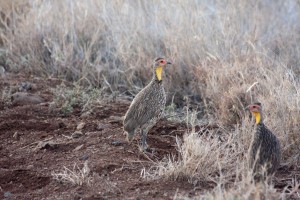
[
  {"x": 255, "y": 109},
  {"x": 159, "y": 64}
]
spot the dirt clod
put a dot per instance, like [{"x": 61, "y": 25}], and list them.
[
  {"x": 80, "y": 126},
  {"x": 102, "y": 126},
  {"x": 22, "y": 98},
  {"x": 77, "y": 134}
]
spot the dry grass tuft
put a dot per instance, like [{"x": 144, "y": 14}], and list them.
[
  {"x": 244, "y": 190},
  {"x": 207, "y": 156},
  {"x": 76, "y": 176}
]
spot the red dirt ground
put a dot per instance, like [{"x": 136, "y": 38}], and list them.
[{"x": 25, "y": 168}]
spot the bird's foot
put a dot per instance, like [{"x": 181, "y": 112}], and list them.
[
  {"x": 150, "y": 154},
  {"x": 145, "y": 149}
]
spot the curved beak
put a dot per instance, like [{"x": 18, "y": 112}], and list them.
[{"x": 169, "y": 63}]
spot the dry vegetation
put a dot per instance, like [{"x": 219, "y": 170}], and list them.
[
  {"x": 76, "y": 176},
  {"x": 226, "y": 54}
]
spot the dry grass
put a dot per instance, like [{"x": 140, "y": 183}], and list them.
[
  {"x": 76, "y": 176},
  {"x": 226, "y": 54},
  {"x": 245, "y": 189},
  {"x": 218, "y": 155},
  {"x": 241, "y": 190}
]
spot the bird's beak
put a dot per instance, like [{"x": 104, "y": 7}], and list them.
[{"x": 169, "y": 63}]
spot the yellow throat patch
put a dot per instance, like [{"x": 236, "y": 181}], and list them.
[
  {"x": 257, "y": 117},
  {"x": 158, "y": 72}
]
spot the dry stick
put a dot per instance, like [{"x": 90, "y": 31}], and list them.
[
  {"x": 36, "y": 143},
  {"x": 68, "y": 137},
  {"x": 249, "y": 90},
  {"x": 137, "y": 161},
  {"x": 108, "y": 84},
  {"x": 146, "y": 156}
]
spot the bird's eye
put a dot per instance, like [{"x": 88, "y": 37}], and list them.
[
  {"x": 254, "y": 107},
  {"x": 162, "y": 61}
]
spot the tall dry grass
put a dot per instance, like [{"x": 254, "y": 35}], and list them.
[{"x": 226, "y": 54}]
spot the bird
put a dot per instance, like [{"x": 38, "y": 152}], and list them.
[
  {"x": 148, "y": 105},
  {"x": 264, "y": 152}
]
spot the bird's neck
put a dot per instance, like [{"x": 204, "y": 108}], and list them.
[
  {"x": 157, "y": 75},
  {"x": 258, "y": 117}
]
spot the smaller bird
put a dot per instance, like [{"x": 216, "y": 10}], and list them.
[
  {"x": 148, "y": 105},
  {"x": 265, "y": 147}
]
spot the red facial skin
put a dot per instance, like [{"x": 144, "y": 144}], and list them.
[
  {"x": 163, "y": 62},
  {"x": 254, "y": 108}
]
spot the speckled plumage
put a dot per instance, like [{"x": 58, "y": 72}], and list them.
[
  {"x": 146, "y": 108},
  {"x": 264, "y": 151}
]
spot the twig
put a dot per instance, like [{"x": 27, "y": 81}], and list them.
[{"x": 36, "y": 143}]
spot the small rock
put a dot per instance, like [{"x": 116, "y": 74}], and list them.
[
  {"x": 29, "y": 167},
  {"x": 84, "y": 157},
  {"x": 25, "y": 86},
  {"x": 80, "y": 126},
  {"x": 77, "y": 134},
  {"x": 138, "y": 190},
  {"x": 7, "y": 194},
  {"x": 117, "y": 143},
  {"x": 22, "y": 98},
  {"x": 116, "y": 119},
  {"x": 101, "y": 126},
  {"x": 86, "y": 113},
  {"x": 46, "y": 145}
]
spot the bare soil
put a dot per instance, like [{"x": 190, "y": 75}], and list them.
[{"x": 116, "y": 166}]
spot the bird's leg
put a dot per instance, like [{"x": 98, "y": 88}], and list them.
[{"x": 144, "y": 138}]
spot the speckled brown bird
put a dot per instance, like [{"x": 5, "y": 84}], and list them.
[
  {"x": 265, "y": 147},
  {"x": 148, "y": 105}
]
